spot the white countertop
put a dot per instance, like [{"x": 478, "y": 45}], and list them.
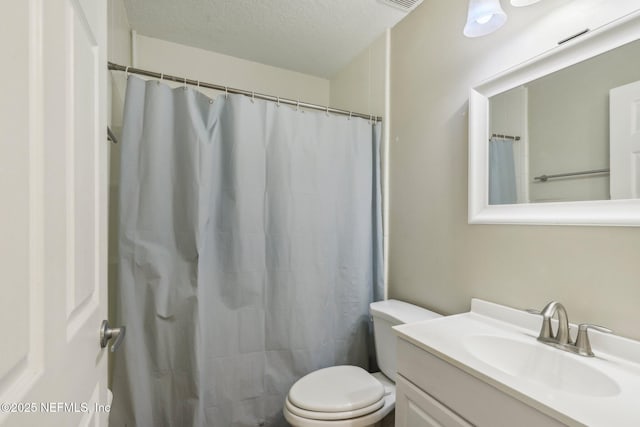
[{"x": 617, "y": 357}]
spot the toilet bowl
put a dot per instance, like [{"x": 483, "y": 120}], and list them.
[{"x": 349, "y": 396}]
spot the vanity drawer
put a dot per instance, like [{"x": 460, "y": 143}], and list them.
[{"x": 474, "y": 400}]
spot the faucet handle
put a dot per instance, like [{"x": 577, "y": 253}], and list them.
[
  {"x": 585, "y": 326},
  {"x": 583, "y": 345},
  {"x": 546, "y": 333}
]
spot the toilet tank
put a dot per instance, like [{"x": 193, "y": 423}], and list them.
[{"x": 387, "y": 314}]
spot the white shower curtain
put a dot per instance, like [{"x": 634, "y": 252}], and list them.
[
  {"x": 250, "y": 247},
  {"x": 502, "y": 175}
]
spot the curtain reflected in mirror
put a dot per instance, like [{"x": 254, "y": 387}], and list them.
[{"x": 502, "y": 175}]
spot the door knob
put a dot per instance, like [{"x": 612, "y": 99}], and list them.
[{"x": 107, "y": 333}]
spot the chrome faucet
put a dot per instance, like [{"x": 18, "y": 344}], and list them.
[
  {"x": 562, "y": 338},
  {"x": 546, "y": 332}
]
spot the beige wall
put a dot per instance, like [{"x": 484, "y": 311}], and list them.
[
  {"x": 360, "y": 86},
  {"x": 436, "y": 258},
  {"x": 172, "y": 58},
  {"x": 119, "y": 51}
]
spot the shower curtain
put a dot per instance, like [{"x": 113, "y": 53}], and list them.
[
  {"x": 250, "y": 247},
  {"x": 502, "y": 175}
]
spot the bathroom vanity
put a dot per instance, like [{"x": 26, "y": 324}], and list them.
[
  {"x": 487, "y": 368},
  {"x": 463, "y": 396}
]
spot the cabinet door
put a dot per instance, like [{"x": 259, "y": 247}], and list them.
[{"x": 415, "y": 408}]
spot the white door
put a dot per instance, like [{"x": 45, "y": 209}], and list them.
[
  {"x": 53, "y": 191},
  {"x": 624, "y": 144}
]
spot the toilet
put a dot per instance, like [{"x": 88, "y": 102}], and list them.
[{"x": 349, "y": 396}]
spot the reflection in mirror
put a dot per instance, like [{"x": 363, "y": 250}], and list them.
[{"x": 569, "y": 136}]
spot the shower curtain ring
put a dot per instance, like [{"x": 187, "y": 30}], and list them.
[
  {"x": 126, "y": 71},
  {"x": 327, "y": 111},
  {"x": 185, "y": 83},
  {"x": 298, "y": 105},
  {"x": 253, "y": 97},
  {"x": 198, "y": 83},
  {"x": 226, "y": 92},
  {"x": 350, "y": 113}
]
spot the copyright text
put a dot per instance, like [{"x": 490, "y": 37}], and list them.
[{"x": 53, "y": 407}]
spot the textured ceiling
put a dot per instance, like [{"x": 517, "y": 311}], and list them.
[{"x": 316, "y": 37}]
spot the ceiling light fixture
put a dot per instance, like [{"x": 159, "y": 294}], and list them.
[
  {"x": 485, "y": 17},
  {"x": 520, "y": 3}
]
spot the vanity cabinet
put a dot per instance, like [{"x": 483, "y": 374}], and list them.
[
  {"x": 415, "y": 408},
  {"x": 431, "y": 392}
]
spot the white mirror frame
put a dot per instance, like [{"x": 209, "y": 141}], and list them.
[{"x": 604, "y": 212}]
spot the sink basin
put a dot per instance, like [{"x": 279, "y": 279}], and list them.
[{"x": 539, "y": 363}]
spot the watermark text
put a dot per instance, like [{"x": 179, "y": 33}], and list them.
[{"x": 53, "y": 407}]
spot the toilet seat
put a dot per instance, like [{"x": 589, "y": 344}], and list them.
[
  {"x": 366, "y": 420},
  {"x": 333, "y": 416},
  {"x": 337, "y": 390}
]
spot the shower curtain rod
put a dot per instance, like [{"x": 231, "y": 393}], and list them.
[
  {"x": 226, "y": 89},
  {"x": 513, "y": 138}
]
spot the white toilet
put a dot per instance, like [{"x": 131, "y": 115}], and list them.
[{"x": 349, "y": 396}]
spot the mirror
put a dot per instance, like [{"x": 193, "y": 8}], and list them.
[
  {"x": 556, "y": 140},
  {"x": 550, "y": 139}
]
